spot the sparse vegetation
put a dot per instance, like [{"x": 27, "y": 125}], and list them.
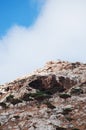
[
  {"x": 16, "y": 101},
  {"x": 13, "y": 100},
  {"x": 9, "y": 98},
  {"x": 40, "y": 95},
  {"x": 66, "y": 111},
  {"x": 69, "y": 118},
  {"x": 27, "y": 97},
  {"x": 50, "y": 105},
  {"x": 64, "y": 95},
  {"x": 17, "y": 117},
  {"x": 3, "y": 105},
  {"x": 75, "y": 129},
  {"x": 60, "y": 128},
  {"x": 76, "y": 91}
]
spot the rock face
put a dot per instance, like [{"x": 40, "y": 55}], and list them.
[
  {"x": 51, "y": 98},
  {"x": 44, "y": 83}
]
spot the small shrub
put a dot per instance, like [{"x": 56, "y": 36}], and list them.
[
  {"x": 39, "y": 95},
  {"x": 9, "y": 98},
  {"x": 76, "y": 91},
  {"x": 64, "y": 95},
  {"x": 60, "y": 128},
  {"x": 16, "y": 101},
  {"x": 66, "y": 111},
  {"x": 75, "y": 129},
  {"x": 69, "y": 118},
  {"x": 16, "y": 117},
  {"x": 3, "y": 105},
  {"x": 49, "y": 105},
  {"x": 27, "y": 97}
]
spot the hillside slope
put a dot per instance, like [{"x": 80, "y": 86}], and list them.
[{"x": 51, "y": 98}]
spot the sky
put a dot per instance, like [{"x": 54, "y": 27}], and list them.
[
  {"x": 20, "y": 12},
  {"x": 33, "y": 32}
]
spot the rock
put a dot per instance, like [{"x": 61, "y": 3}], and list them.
[
  {"x": 45, "y": 83},
  {"x": 51, "y": 98}
]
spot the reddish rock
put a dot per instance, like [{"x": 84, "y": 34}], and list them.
[{"x": 39, "y": 99}]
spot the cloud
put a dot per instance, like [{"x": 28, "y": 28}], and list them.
[
  {"x": 58, "y": 33},
  {"x": 37, "y": 3}
]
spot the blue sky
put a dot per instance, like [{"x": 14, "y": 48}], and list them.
[
  {"x": 33, "y": 32},
  {"x": 20, "y": 12}
]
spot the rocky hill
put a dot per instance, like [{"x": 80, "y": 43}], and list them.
[{"x": 51, "y": 98}]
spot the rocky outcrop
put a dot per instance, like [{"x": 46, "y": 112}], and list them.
[
  {"x": 51, "y": 98},
  {"x": 49, "y": 82}
]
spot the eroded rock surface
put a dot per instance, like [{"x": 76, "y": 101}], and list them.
[{"x": 51, "y": 98}]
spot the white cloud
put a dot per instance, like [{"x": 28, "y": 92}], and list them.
[{"x": 59, "y": 33}]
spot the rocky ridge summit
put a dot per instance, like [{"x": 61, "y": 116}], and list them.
[{"x": 51, "y": 98}]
